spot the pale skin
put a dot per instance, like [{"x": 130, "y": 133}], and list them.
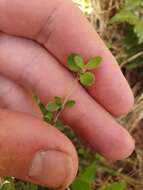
[{"x": 36, "y": 38}]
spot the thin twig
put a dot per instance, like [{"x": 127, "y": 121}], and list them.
[
  {"x": 131, "y": 58},
  {"x": 71, "y": 90}
]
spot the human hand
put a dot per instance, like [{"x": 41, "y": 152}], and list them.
[{"x": 31, "y": 149}]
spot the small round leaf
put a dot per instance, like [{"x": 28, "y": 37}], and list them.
[
  {"x": 49, "y": 116},
  {"x": 52, "y": 106},
  {"x": 79, "y": 61},
  {"x": 71, "y": 63},
  {"x": 87, "y": 79},
  {"x": 70, "y": 104},
  {"x": 93, "y": 63},
  {"x": 60, "y": 125},
  {"x": 58, "y": 100}
]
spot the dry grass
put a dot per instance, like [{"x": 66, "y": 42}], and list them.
[{"x": 99, "y": 13}]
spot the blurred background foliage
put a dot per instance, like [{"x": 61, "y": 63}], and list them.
[{"x": 120, "y": 25}]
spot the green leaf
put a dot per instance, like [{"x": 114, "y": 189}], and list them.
[
  {"x": 52, "y": 106},
  {"x": 116, "y": 186},
  {"x": 43, "y": 108},
  {"x": 70, "y": 104},
  {"x": 85, "y": 180},
  {"x": 79, "y": 61},
  {"x": 81, "y": 151},
  {"x": 20, "y": 185},
  {"x": 87, "y": 79},
  {"x": 133, "y": 4},
  {"x": 98, "y": 157},
  {"x": 58, "y": 100},
  {"x": 139, "y": 30},
  {"x": 71, "y": 62},
  {"x": 125, "y": 16},
  {"x": 93, "y": 63},
  {"x": 89, "y": 174},
  {"x": 79, "y": 184},
  {"x": 9, "y": 179},
  {"x": 49, "y": 116},
  {"x": 130, "y": 40},
  {"x": 8, "y": 186},
  {"x": 60, "y": 125}
]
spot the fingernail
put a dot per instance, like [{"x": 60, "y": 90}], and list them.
[{"x": 51, "y": 168}]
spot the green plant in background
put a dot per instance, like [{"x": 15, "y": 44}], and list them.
[
  {"x": 85, "y": 179},
  {"x": 131, "y": 14},
  {"x": 116, "y": 186},
  {"x": 9, "y": 183}
]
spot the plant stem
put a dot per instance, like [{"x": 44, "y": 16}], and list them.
[{"x": 71, "y": 90}]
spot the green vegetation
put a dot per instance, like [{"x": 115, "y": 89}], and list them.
[
  {"x": 120, "y": 24},
  {"x": 131, "y": 13}
]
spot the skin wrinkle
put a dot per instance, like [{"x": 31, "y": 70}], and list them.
[
  {"x": 26, "y": 71},
  {"x": 43, "y": 34},
  {"x": 25, "y": 75},
  {"x": 6, "y": 90},
  {"x": 14, "y": 97},
  {"x": 30, "y": 75}
]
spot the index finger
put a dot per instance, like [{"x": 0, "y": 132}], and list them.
[{"x": 62, "y": 29}]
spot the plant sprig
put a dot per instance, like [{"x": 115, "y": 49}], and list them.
[
  {"x": 55, "y": 107},
  {"x": 76, "y": 64},
  {"x": 84, "y": 75}
]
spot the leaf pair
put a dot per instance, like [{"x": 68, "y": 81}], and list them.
[
  {"x": 54, "y": 105},
  {"x": 77, "y": 65},
  {"x": 57, "y": 104}
]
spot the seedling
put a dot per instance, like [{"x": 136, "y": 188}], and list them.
[
  {"x": 83, "y": 71},
  {"x": 84, "y": 74}
]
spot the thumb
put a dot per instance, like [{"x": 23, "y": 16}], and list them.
[{"x": 32, "y": 150}]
